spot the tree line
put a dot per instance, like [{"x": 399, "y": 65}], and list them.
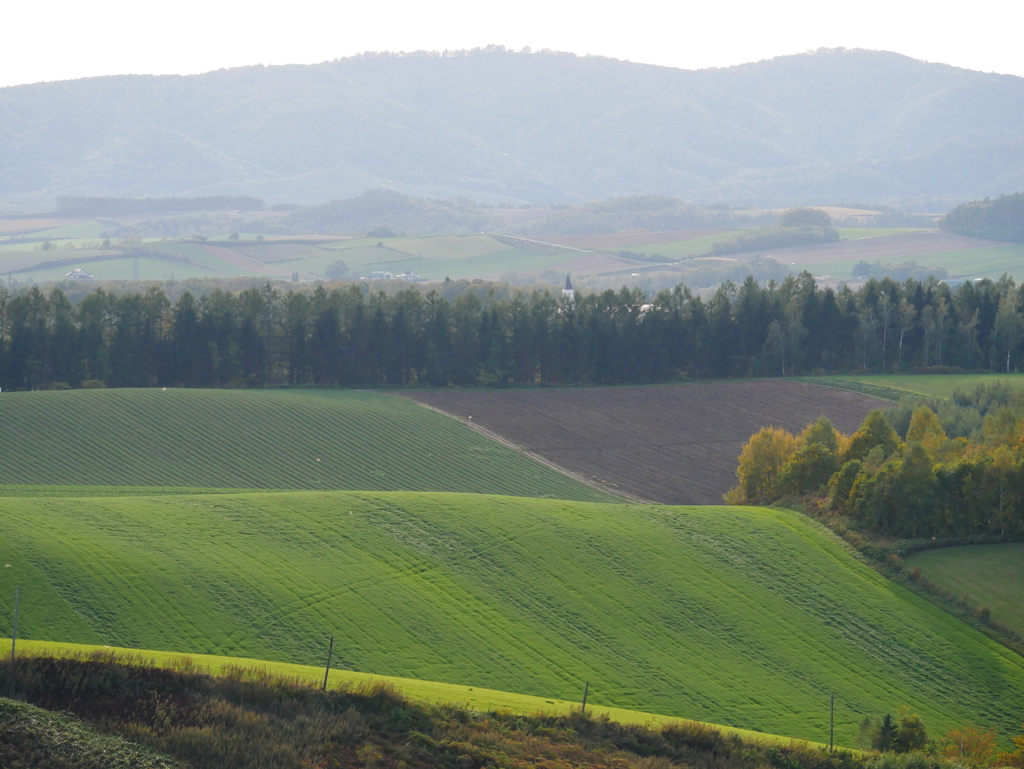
[
  {"x": 999, "y": 219},
  {"x": 461, "y": 333},
  {"x": 922, "y": 470}
]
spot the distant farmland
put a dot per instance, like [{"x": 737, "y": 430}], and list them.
[
  {"x": 934, "y": 385},
  {"x": 269, "y": 439},
  {"x": 742, "y": 616},
  {"x": 989, "y": 575},
  {"x": 676, "y": 444}
]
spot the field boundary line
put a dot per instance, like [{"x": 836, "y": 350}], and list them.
[{"x": 591, "y": 482}]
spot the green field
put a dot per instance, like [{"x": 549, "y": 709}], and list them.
[
  {"x": 989, "y": 575},
  {"x": 434, "y": 258},
  {"x": 935, "y": 385},
  {"x": 742, "y": 616},
  {"x": 858, "y": 233},
  {"x": 992, "y": 262},
  {"x": 269, "y": 439}
]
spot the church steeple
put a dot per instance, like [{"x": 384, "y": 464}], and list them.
[{"x": 568, "y": 291}]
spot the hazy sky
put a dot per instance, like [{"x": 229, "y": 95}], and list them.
[{"x": 61, "y": 39}]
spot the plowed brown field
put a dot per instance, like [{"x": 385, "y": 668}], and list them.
[
  {"x": 621, "y": 239},
  {"x": 674, "y": 444}
]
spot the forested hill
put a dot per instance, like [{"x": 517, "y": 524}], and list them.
[{"x": 538, "y": 127}]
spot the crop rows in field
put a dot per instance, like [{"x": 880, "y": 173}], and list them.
[
  {"x": 676, "y": 444},
  {"x": 256, "y": 439},
  {"x": 742, "y": 616},
  {"x": 987, "y": 575}
]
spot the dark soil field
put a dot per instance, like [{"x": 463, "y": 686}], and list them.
[
  {"x": 621, "y": 239},
  {"x": 674, "y": 444}
]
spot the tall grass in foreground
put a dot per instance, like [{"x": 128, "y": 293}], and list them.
[{"x": 248, "y": 718}]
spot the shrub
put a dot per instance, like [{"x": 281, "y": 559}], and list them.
[
  {"x": 798, "y": 217},
  {"x": 761, "y": 463},
  {"x": 337, "y": 270}
]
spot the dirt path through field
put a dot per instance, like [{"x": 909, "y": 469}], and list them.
[{"x": 674, "y": 444}]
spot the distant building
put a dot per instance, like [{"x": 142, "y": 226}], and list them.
[
  {"x": 411, "y": 276},
  {"x": 78, "y": 274},
  {"x": 568, "y": 291},
  {"x": 381, "y": 276}
]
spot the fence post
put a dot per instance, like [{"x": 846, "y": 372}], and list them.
[
  {"x": 330, "y": 650},
  {"x": 14, "y": 631},
  {"x": 831, "y": 721},
  {"x": 586, "y": 688}
]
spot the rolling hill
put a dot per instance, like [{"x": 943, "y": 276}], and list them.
[
  {"x": 742, "y": 616},
  {"x": 496, "y": 125},
  {"x": 268, "y": 439}
]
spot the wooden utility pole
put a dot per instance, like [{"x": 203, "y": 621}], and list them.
[
  {"x": 330, "y": 651},
  {"x": 14, "y": 632},
  {"x": 831, "y": 721},
  {"x": 586, "y": 688}
]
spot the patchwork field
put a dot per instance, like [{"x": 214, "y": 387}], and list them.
[
  {"x": 989, "y": 575},
  {"x": 283, "y": 439},
  {"x": 676, "y": 444},
  {"x": 935, "y": 385},
  {"x": 471, "y": 256},
  {"x": 742, "y": 616}
]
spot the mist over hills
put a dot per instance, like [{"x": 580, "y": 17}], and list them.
[{"x": 494, "y": 125}]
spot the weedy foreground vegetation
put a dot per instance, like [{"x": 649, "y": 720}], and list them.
[
  {"x": 747, "y": 617},
  {"x": 122, "y": 714}
]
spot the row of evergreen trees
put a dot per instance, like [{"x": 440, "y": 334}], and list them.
[{"x": 472, "y": 334}]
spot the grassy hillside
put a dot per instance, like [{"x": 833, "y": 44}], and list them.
[
  {"x": 284, "y": 439},
  {"x": 747, "y": 617},
  {"x": 937, "y": 385},
  {"x": 989, "y": 575}
]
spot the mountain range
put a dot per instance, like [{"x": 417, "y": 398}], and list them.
[{"x": 498, "y": 126}]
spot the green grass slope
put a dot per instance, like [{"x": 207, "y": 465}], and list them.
[
  {"x": 747, "y": 617},
  {"x": 284, "y": 439},
  {"x": 935, "y": 385},
  {"x": 989, "y": 575}
]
